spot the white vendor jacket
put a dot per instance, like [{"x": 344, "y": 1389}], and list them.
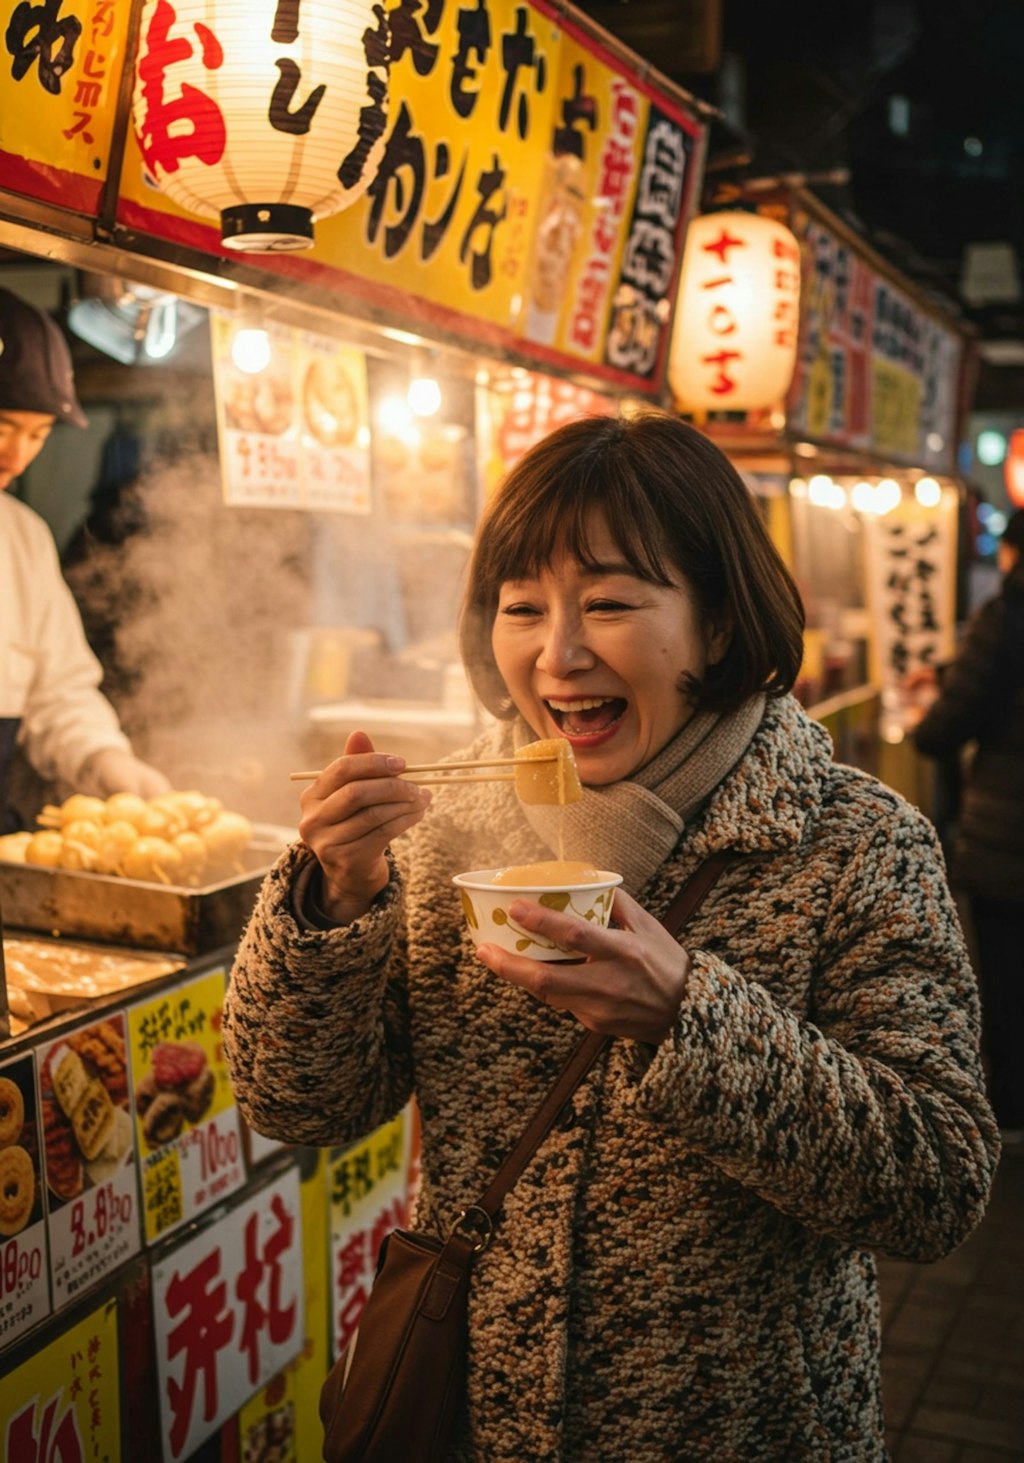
[{"x": 49, "y": 678}]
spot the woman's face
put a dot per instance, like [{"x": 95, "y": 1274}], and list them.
[{"x": 597, "y": 656}]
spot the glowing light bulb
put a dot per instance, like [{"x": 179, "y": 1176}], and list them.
[
  {"x": 424, "y": 396},
  {"x": 927, "y": 492},
  {"x": 250, "y": 350}
]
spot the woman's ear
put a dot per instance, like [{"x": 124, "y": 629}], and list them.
[{"x": 719, "y": 635}]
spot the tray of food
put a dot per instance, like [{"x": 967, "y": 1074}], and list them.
[{"x": 176, "y": 873}]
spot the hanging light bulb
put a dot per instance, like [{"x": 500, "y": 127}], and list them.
[
  {"x": 250, "y": 344},
  {"x": 927, "y": 492},
  {"x": 424, "y": 396}
]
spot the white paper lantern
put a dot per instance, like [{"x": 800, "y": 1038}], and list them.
[
  {"x": 265, "y": 114},
  {"x": 735, "y": 332}
]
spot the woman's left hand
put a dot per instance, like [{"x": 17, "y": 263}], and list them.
[{"x": 630, "y": 979}]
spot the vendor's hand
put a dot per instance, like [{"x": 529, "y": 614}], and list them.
[
  {"x": 349, "y": 816},
  {"x": 113, "y": 770},
  {"x": 632, "y": 980}
]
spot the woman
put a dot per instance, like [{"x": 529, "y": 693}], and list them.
[
  {"x": 982, "y": 702},
  {"x": 684, "y": 1270}
]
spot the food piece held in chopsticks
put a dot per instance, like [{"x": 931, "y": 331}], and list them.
[{"x": 546, "y": 772}]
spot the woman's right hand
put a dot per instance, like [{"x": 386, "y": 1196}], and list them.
[{"x": 349, "y": 816}]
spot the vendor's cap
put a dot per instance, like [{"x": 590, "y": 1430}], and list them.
[{"x": 35, "y": 363}]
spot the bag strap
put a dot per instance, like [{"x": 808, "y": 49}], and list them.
[{"x": 583, "y": 1056}]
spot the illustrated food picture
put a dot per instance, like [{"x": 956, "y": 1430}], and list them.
[
  {"x": 178, "y": 1088},
  {"x": 330, "y": 404},
  {"x": 17, "y": 1171},
  {"x": 85, "y": 1109},
  {"x": 178, "y": 838}
]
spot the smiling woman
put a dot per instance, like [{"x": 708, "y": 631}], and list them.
[{"x": 794, "y": 1086}]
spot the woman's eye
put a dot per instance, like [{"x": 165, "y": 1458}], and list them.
[
  {"x": 605, "y": 605},
  {"x": 518, "y": 609}
]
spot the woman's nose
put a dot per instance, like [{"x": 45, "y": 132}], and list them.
[{"x": 565, "y": 646}]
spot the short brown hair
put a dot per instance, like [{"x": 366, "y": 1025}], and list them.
[{"x": 672, "y": 501}]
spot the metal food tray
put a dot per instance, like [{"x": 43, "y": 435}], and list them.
[{"x": 130, "y": 912}]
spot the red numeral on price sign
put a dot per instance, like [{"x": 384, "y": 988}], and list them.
[
  {"x": 110, "y": 1211},
  {"x": 19, "y": 1266}
]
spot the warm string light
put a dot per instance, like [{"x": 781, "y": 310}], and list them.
[{"x": 869, "y": 498}]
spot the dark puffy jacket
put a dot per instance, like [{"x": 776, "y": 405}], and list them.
[{"x": 982, "y": 701}]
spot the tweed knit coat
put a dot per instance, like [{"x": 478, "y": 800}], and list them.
[{"x": 685, "y": 1270}]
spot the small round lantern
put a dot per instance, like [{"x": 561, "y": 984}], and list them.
[
  {"x": 734, "y": 337},
  {"x": 264, "y": 114},
  {"x": 1013, "y": 468}
]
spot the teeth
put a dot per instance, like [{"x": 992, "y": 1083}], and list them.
[{"x": 586, "y": 703}]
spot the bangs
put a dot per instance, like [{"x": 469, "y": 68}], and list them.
[{"x": 560, "y": 518}]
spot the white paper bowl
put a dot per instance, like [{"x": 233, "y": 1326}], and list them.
[{"x": 485, "y": 905}]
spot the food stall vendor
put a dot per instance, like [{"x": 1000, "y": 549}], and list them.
[{"x": 50, "y": 698}]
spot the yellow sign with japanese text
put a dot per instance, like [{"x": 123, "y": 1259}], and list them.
[
  {"x": 532, "y": 194},
  {"x": 59, "y": 78},
  {"x": 188, "y": 1134},
  {"x": 64, "y": 1400}
]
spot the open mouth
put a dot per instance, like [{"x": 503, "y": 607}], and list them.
[{"x": 587, "y": 715}]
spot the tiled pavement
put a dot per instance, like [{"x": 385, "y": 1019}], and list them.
[{"x": 953, "y": 1341}]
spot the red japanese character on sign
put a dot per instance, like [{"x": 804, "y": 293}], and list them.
[
  {"x": 102, "y": 21},
  {"x": 60, "y": 1444},
  {"x": 279, "y": 1320},
  {"x": 205, "y": 1329},
  {"x": 723, "y": 244},
  {"x": 723, "y": 382},
  {"x": 39, "y": 33},
  {"x": 164, "y": 142}
]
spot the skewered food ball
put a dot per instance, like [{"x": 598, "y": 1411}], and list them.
[
  {"x": 83, "y": 831},
  {"x": 13, "y": 846},
  {"x": 115, "y": 840},
  {"x": 79, "y": 807},
  {"x": 44, "y": 849},
  {"x": 227, "y": 837},
  {"x": 127, "y": 807},
  {"x": 171, "y": 816},
  {"x": 154, "y": 860},
  {"x": 194, "y": 855},
  {"x": 76, "y": 855},
  {"x": 197, "y": 808}
]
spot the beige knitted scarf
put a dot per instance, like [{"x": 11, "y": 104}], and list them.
[{"x": 633, "y": 826}]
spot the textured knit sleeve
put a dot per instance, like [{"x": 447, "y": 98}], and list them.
[
  {"x": 865, "y": 1116},
  {"x": 316, "y": 1022}
]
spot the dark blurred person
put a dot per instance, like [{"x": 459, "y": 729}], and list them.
[
  {"x": 980, "y": 701},
  {"x": 51, "y": 705}
]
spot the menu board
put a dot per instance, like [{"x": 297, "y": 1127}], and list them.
[
  {"x": 62, "y": 1405},
  {"x": 294, "y": 433},
  {"x": 229, "y": 1313},
  {"x": 89, "y": 1142},
  {"x": 874, "y": 369},
  {"x": 24, "y": 1281},
  {"x": 911, "y": 565},
  {"x": 369, "y": 1189},
  {"x": 186, "y": 1123}
]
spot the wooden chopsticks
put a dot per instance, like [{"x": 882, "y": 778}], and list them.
[{"x": 452, "y": 771}]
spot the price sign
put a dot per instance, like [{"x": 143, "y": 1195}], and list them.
[
  {"x": 187, "y": 1125},
  {"x": 90, "y": 1156},
  {"x": 24, "y": 1292}
]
